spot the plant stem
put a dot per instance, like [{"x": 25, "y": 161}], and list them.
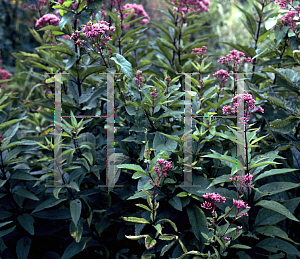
[{"x": 256, "y": 39}]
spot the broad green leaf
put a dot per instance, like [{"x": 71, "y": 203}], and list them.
[
  {"x": 273, "y": 188},
  {"x": 221, "y": 179},
  {"x": 23, "y": 176},
  {"x": 273, "y": 231},
  {"x": 51, "y": 202},
  {"x": 92, "y": 70},
  {"x": 75, "y": 248},
  {"x": 275, "y": 206},
  {"x": 275, "y": 244},
  {"x": 126, "y": 66},
  {"x": 75, "y": 209},
  {"x": 27, "y": 194},
  {"x": 27, "y": 221},
  {"x": 23, "y": 247},
  {"x": 274, "y": 172}
]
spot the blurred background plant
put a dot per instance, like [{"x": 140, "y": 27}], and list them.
[{"x": 15, "y": 20}]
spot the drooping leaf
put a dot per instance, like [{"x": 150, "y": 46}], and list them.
[
  {"x": 27, "y": 221},
  {"x": 275, "y": 206}
]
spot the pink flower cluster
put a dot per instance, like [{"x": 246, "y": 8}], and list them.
[
  {"x": 165, "y": 167},
  {"x": 213, "y": 197},
  {"x": 199, "y": 51},
  {"x": 223, "y": 74},
  {"x": 139, "y": 12},
  {"x": 186, "y": 6},
  {"x": 235, "y": 56},
  {"x": 283, "y": 3},
  {"x": 40, "y": 3},
  {"x": 97, "y": 34},
  {"x": 3, "y": 76},
  {"x": 138, "y": 79},
  {"x": 288, "y": 20},
  {"x": 242, "y": 181},
  {"x": 48, "y": 19},
  {"x": 236, "y": 100},
  {"x": 148, "y": 152},
  {"x": 154, "y": 95}
]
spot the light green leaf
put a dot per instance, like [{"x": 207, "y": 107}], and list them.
[
  {"x": 136, "y": 220},
  {"x": 126, "y": 66}
]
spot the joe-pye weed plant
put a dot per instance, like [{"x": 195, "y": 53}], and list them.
[{"x": 90, "y": 45}]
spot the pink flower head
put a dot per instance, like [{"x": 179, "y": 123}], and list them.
[
  {"x": 240, "y": 204},
  {"x": 97, "y": 34},
  {"x": 139, "y": 12},
  {"x": 154, "y": 95},
  {"x": 223, "y": 74},
  {"x": 3, "y": 76},
  {"x": 288, "y": 20},
  {"x": 283, "y": 3},
  {"x": 48, "y": 19},
  {"x": 213, "y": 198},
  {"x": 186, "y": 6},
  {"x": 236, "y": 100},
  {"x": 164, "y": 169},
  {"x": 235, "y": 57}
]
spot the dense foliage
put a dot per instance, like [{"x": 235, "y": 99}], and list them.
[{"x": 152, "y": 212}]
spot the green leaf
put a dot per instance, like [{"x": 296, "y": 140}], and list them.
[
  {"x": 126, "y": 66},
  {"x": 23, "y": 247},
  {"x": 5, "y": 223},
  {"x": 132, "y": 167},
  {"x": 67, "y": 18},
  {"x": 238, "y": 246},
  {"x": 23, "y": 176},
  {"x": 27, "y": 194},
  {"x": 27, "y": 221},
  {"x": 191, "y": 253},
  {"x": 75, "y": 248},
  {"x": 252, "y": 26},
  {"x": 7, "y": 231},
  {"x": 221, "y": 179},
  {"x": 275, "y": 244},
  {"x": 273, "y": 231},
  {"x": 71, "y": 61},
  {"x": 274, "y": 172},
  {"x": 166, "y": 248},
  {"x": 162, "y": 29},
  {"x": 51, "y": 202},
  {"x": 5, "y": 124},
  {"x": 275, "y": 206},
  {"x": 149, "y": 242},
  {"x": 274, "y": 188},
  {"x": 176, "y": 203},
  {"x": 92, "y": 70},
  {"x": 143, "y": 206},
  {"x": 136, "y": 220},
  {"x": 170, "y": 221},
  {"x": 75, "y": 209}
]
